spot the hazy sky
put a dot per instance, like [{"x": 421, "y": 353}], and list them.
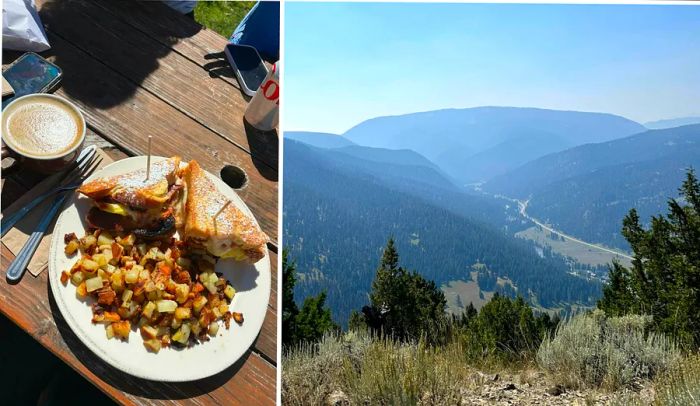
[{"x": 347, "y": 62}]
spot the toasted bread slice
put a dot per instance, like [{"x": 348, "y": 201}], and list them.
[
  {"x": 133, "y": 190},
  {"x": 232, "y": 234}
]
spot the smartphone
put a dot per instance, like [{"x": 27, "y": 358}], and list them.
[
  {"x": 31, "y": 73},
  {"x": 248, "y": 66}
]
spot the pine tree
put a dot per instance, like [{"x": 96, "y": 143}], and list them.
[
  {"x": 289, "y": 307},
  {"x": 664, "y": 280},
  {"x": 312, "y": 321},
  {"x": 403, "y": 304}
]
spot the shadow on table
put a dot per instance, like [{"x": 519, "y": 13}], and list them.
[
  {"x": 90, "y": 75},
  {"x": 130, "y": 384},
  {"x": 219, "y": 66},
  {"x": 264, "y": 146}
]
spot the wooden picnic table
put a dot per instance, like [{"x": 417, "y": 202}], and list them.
[{"x": 138, "y": 69}]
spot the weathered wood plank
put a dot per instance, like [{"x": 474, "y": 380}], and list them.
[
  {"x": 188, "y": 38},
  {"x": 30, "y": 305},
  {"x": 155, "y": 67},
  {"x": 128, "y": 123}
]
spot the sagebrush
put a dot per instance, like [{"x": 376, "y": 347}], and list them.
[{"x": 591, "y": 350}]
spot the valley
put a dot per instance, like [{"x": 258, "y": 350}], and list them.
[{"x": 550, "y": 240}]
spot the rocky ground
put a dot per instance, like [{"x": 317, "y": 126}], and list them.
[
  {"x": 527, "y": 388},
  {"x": 533, "y": 388}
]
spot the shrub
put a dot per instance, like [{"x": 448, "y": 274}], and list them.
[
  {"x": 591, "y": 350},
  {"x": 681, "y": 385},
  {"x": 392, "y": 373},
  {"x": 373, "y": 370},
  {"x": 311, "y": 371}
]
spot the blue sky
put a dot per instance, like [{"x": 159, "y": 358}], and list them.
[{"x": 347, "y": 62}]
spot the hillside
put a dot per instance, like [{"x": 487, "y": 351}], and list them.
[
  {"x": 321, "y": 140},
  {"x": 337, "y": 219},
  {"x": 451, "y": 137},
  {"x": 587, "y": 190},
  {"x": 390, "y": 156},
  {"x": 670, "y": 123}
]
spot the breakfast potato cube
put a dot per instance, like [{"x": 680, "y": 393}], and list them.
[
  {"x": 132, "y": 276},
  {"x": 148, "y": 309},
  {"x": 77, "y": 278},
  {"x": 71, "y": 247},
  {"x": 166, "y": 306},
  {"x": 90, "y": 265},
  {"x": 213, "y": 328},
  {"x": 64, "y": 277},
  {"x": 106, "y": 296},
  {"x": 117, "y": 280},
  {"x": 122, "y": 329},
  {"x": 88, "y": 242},
  {"x": 105, "y": 238},
  {"x": 182, "y": 335},
  {"x": 148, "y": 331},
  {"x": 117, "y": 250},
  {"x": 100, "y": 259},
  {"x": 81, "y": 290},
  {"x": 126, "y": 297},
  {"x": 229, "y": 291},
  {"x": 198, "y": 303},
  {"x": 110, "y": 331},
  {"x": 223, "y": 308},
  {"x": 183, "y": 313},
  {"x": 181, "y": 293},
  {"x": 153, "y": 344},
  {"x": 128, "y": 240},
  {"x": 93, "y": 284},
  {"x": 106, "y": 317}
]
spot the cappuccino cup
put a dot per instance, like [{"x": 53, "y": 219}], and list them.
[{"x": 44, "y": 131}]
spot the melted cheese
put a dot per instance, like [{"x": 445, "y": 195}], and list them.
[
  {"x": 222, "y": 250},
  {"x": 235, "y": 253},
  {"x": 114, "y": 208}
]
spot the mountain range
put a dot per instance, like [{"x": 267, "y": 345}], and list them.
[
  {"x": 469, "y": 143},
  {"x": 587, "y": 190},
  {"x": 670, "y": 123}
]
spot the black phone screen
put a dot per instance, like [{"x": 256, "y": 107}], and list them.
[
  {"x": 31, "y": 74},
  {"x": 248, "y": 62}
]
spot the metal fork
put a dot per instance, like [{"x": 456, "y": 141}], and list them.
[
  {"x": 83, "y": 167},
  {"x": 21, "y": 261}
]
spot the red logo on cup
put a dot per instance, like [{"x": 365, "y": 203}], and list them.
[{"x": 271, "y": 90}]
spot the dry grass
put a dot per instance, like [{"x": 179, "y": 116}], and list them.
[
  {"x": 681, "y": 385},
  {"x": 595, "y": 351},
  {"x": 374, "y": 371}
]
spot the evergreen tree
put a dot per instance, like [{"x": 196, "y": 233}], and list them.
[
  {"x": 664, "y": 279},
  {"x": 403, "y": 304},
  {"x": 289, "y": 307},
  {"x": 312, "y": 321}
]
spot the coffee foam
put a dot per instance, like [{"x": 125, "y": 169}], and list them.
[{"x": 42, "y": 126}]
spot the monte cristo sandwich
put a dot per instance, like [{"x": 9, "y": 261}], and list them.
[
  {"x": 214, "y": 224},
  {"x": 151, "y": 207}
]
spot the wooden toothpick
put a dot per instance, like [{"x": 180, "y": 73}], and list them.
[
  {"x": 148, "y": 161},
  {"x": 222, "y": 209}
]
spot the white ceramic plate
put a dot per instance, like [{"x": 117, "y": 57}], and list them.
[{"x": 252, "y": 283}]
